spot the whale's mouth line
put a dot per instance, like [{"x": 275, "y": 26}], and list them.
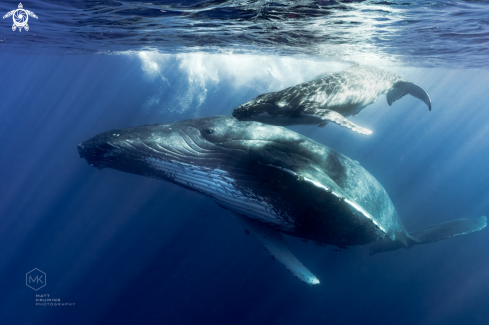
[
  {"x": 184, "y": 148},
  {"x": 180, "y": 151},
  {"x": 192, "y": 141},
  {"x": 254, "y": 141},
  {"x": 150, "y": 148},
  {"x": 186, "y": 145}
]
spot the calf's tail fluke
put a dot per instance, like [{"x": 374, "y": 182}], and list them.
[
  {"x": 431, "y": 234},
  {"x": 402, "y": 88}
]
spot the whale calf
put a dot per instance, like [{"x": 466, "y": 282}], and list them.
[
  {"x": 273, "y": 180},
  {"x": 329, "y": 99}
]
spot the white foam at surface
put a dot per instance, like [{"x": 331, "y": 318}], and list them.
[{"x": 204, "y": 71}]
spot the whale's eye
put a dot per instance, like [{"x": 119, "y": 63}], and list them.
[{"x": 209, "y": 131}]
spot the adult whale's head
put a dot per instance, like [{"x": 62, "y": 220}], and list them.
[
  {"x": 208, "y": 142},
  {"x": 272, "y": 179}
]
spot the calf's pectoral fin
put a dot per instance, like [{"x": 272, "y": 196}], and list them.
[
  {"x": 432, "y": 233},
  {"x": 328, "y": 115},
  {"x": 402, "y": 88},
  {"x": 276, "y": 245}
]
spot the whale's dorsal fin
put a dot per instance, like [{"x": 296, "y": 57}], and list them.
[
  {"x": 327, "y": 115},
  {"x": 402, "y": 88},
  {"x": 431, "y": 234},
  {"x": 276, "y": 245}
]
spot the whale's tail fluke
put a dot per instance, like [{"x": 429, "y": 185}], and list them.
[
  {"x": 402, "y": 88},
  {"x": 432, "y": 233}
]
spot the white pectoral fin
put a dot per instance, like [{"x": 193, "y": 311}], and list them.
[
  {"x": 402, "y": 88},
  {"x": 328, "y": 115},
  {"x": 276, "y": 245}
]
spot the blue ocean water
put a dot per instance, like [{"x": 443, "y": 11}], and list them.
[{"x": 125, "y": 249}]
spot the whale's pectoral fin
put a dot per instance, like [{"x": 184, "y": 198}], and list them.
[
  {"x": 276, "y": 245},
  {"x": 327, "y": 115},
  {"x": 402, "y": 88},
  {"x": 432, "y": 233}
]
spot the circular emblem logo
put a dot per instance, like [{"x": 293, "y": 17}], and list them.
[{"x": 20, "y": 17}]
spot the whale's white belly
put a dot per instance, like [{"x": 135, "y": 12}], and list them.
[{"x": 218, "y": 184}]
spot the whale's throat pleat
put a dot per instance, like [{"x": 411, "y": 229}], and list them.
[{"x": 222, "y": 188}]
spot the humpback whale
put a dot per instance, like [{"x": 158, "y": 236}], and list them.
[
  {"x": 331, "y": 98},
  {"x": 273, "y": 180}
]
